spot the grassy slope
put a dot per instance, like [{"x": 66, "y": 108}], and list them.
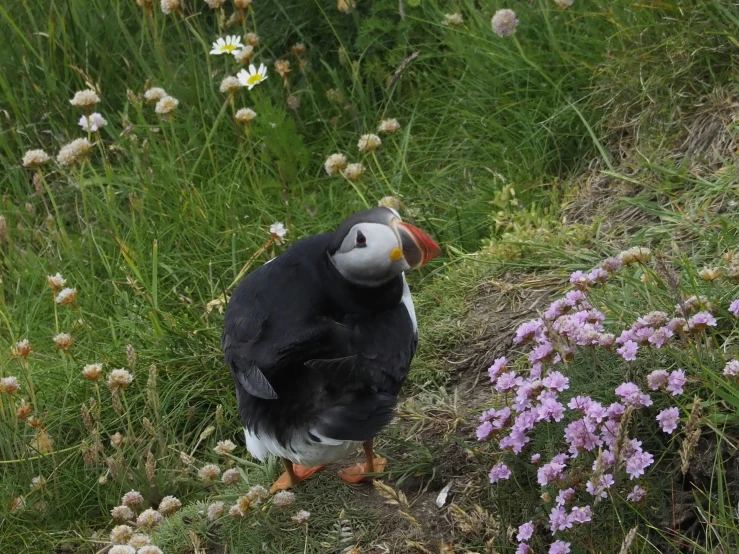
[{"x": 163, "y": 225}]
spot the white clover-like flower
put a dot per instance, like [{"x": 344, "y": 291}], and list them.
[
  {"x": 284, "y": 499},
  {"x": 155, "y": 94},
  {"x": 282, "y": 67},
  {"x": 231, "y": 476},
  {"x": 215, "y": 510},
  {"x": 252, "y": 39},
  {"x": 354, "y": 172},
  {"x": 92, "y": 123},
  {"x": 66, "y": 296},
  {"x": 9, "y": 385},
  {"x": 301, "y": 517},
  {"x": 121, "y": 534},
  {"x": 230, "y": 85},
  {"x": 132, "y": 498},
  {"x": 38, "y": 483},
  {"x": 245, "y": 115},
  {"x": 166, "y": 105},
  {"x": 85, "y": 99},
  {"x": 236, "y": 512},
  {"x": 253, "y": 77},
  {"x": 389, "y": 126},
  {"x": 122, "y": 549},
  {"x": 139, "y": 540},
  {"x": 389, "y": 202},
  {"x": 453, "y": 19},
  {"x": 242, "y": 4},
  {"x": 35, "y": 158},
  {"x": 709, "y": 273},
  {"x": 345, "y": 6},
  {"x": 245, "y": 54},
  {"x": 63, "y": 341},
  {"x": 635, "y": 254},
  {"x": 564, "y": 4},
  {"x": 74, "y": 151},
  {"x": 224, "y": 447},
  {"x": 150, "y": 549},
  {"x": 122, "y": 513},
  {"x": 504, "y": 23},
  {"x": 119, "y": 379},
  {"x": 170, "y": 6},
  {"x": 92, "y": 371},
  {"x": 116, "y": 441},
  {"x": 215, "y": 4},
  {"x": 169, "y": 505},
  {"x": 277, "y": 232},
  {"x": 230, "y": 45},
  {"x": 56, "y": 282},
  {"x": 21, "y": 349},
  {"x": 209, "y": 472},
  {"x": 149, "y": 518},
  {"x": 257, "y": 494},
  {"x": 335, "y": 163},
  {"x": 369, "y": 143}
]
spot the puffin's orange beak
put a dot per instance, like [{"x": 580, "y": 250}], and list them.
[{"x": 418, "y": 247}]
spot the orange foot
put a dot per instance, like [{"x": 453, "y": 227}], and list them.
[
  {"x": 356, "y": 473},
  {"x": 301, "y": 474}
]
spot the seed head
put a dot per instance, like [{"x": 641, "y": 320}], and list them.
[
  {"x": 74, "y": 151},
  {"x": 215, "y": 4},
  {"x": 298, "y": 49},
  {"x": 345, "y": 6},
  {"x": 215, "y": 510},
  {"x": 122, "y": 549},
  {"x": 23, "y": 410},
  {"x": 63, "y": 341},
  {"x": 245, "y": 115},
  {"x": 335, "y": 163},
  {"x": 139, "y": 540},
  {"x": 56, "y": 282},
  {"x": 389, "y": 126},
  {"x": 284, "y": 499},
  {"x": 209, "y": 472},
  {"x": 93, "y": 122},
  {"x": 245, "y": 54},
  {"x": 38, "y": 483},
  {"x": 354, "y": 172},
  {"x": 18, "y": 504},
  {"x": 3, "y": 228},
  {"x": 119, "y": 379},
  {"x": 150, "y": 549},
  {"x": 282, "y": 67},
  {"x": 116, "y": 441},
  {"x": 149, "y": 518},
  {"x": 122, "y": 513},
  {"x": 85, "y": 99},
  {"x": 635, "y": 254},
  {"x": 301, "y": 517},
  {"x": 369, "y": 143},
  {"x": 709, "y": 273},
  {"x": 242, "y": 4},
  {"x": 564, "y": 4},
  {"x": 389, "y": 202},
  {"x": 293, "y": 102},
  {"x": 120, "y": 534},
  {"x": 230, "y": 85},
  {"x": 66, "y": 296},
  {"x": 252, "y": 39},
  {"x": 155, "y": 94},
  {"x": 256, "y": 494},
  {"x": 453, "y": 19},
  {"x": 225, "y": 447},
  {"x": 236, "y": 512},
  {"x": 35, "y": 158},
  {"x": 166, "y": 105},
  {"x": 231, "y": 476},
  {"x": 169, "y": 6},
  {"x": 504, "y": 23},
  {"x": 169, "y": 505},
  {"x": 132, "y": 499},
  {"x": 335, "y": 95},
  {"x": 21, "y": 349}
]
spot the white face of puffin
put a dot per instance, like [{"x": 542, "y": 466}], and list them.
[{"x": 379, "y": 246}]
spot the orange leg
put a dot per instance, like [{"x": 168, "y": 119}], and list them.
[
  {"x": 355, "y": 473},
  {"x": 293, "y": 475}
]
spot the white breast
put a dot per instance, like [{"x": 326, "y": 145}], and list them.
[
  {"x": 301, "y": 449},
  {"x": 408, "y": 302}
]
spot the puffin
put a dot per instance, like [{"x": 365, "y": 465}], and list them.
[{"x": 319, "y": 341}]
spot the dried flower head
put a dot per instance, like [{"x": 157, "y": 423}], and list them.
[
  {"x": 335, "y": 95},
  {"x": 709, "y": 273},
  {"x": 224, "y": 447},
  {"x": 215, "y": 4},
  {"x": 170, "y": 6},
  {"x": 122, "y": 549},
  {"x": 277, "y": 232},
  {"x": 38, "y": 483},
  {"x": 63, "y": 341},
  {"x": 92, "y": 123},
  {"x": 18, "y": 504},
  {"x": 635, "y": 254},
  {"x": 209, "y": 472},
  {"x": 150, "y": 549},
  {"x": 35, "y": 158},
  {"x": 564, "y": 4},
  {"x": 149, "y": 518},
  {"x": 345, "y": 6},
  {"x": 453, "y": 19},
  {"x": 230, "y": 85},
  {"x": 301, "y": 517},
  {"x": 389, "y": 126},
  {"x": 3, "y": 228},
  {"x": 236, "y": 512},
  {"x": 252, "y": 39},
  {"x": 56, "y": 282},
  {"x": 119, "y": 379},
  {"x": 155, "y": 94},
  {"x": 139, "y": 540},
  {"x": 282, "y": 67},
  {"x": 74, "y": 151},
  {"x": 504, "y": 23},
  {"x": 132, "y": 499},
  {"x": 245, "y": 115},
  {"x": 66, "y": 296},
  {"x": 284, "y": 499},
  {"x": 369, "y": 143},
  {"x": 21, "y": 349},
  {"x": 354, "y": 172},
  {"x": 257, "y": 494},
  {"x": 121, "y": 534},
  {"x": 334, "y": 164},
  {"x": 389, "y": 202},
  {"x": 169, "y": 505},
  {"x": 231, "y": 476},
  {"x": 215, "y": 510},
  {"x": 242, "y": 4},
  {"x": 293, "y": 102},
  {"x": 245, "y": 54},
  {"x": 166, "y": 105},
  {"x": 298, "y": 49},
  {"x": 116, "y": 441},
  {"x": 122, "y": 513},
  {"x": 85, "y": 99},
  {"x": 23, "y": 410}
]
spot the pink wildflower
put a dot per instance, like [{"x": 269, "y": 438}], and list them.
[
  {"x": 528, "y": 331},
  {"x": 615, "y": 411},
  {"x": 660, "y": 337},
  {"x": 535, "y": 458},
  {"x": 499, "y": 472},
  {"x": 498, "y": 367},
  {"x": 550, "y": 410},
  {"x": 525, "y": 531},
  {"x": 580, "y": 515},
  {"x": 668, "y": 420},
  {"x": 657, "y": 379},
  {"x": 700, "y": 321},
  {"x": 598, "y": 488},
  {"x": 564, "y": 496},
  {"x": 734, "y": 308},
  {"x": 676, "y": 381},
  {"x": 556, "y": 381},
  {"x": 628, "y": 350},
  {"x": 484, "y": 431},
  {"x": 524, "y": 548},
  {"x": 631, "y": 395},
  {"x": 550, "y": 472},
  {"x": 598, "y": 275},
  {"x": 636, "y": 459},
  {"x": 559, "y": 547},
  {"x": 732, "y": 369},
  {"x": 508, "y": 381},
  {"x": 558, "y": 520},
  {"x": 636, "y": 494}
]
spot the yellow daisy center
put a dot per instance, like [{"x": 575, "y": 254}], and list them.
[
  {"x": 254, "y": 79},
  {"x": 228, "y": 48}
]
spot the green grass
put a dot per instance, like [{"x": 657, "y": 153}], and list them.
[{"x": 165, "y": 213}]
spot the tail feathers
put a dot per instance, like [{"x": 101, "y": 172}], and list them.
[{"x": 359, "y": 419}]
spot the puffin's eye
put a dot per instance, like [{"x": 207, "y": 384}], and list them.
[{"x": 361, "y": 240}]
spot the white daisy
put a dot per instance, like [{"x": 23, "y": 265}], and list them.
[
  {"x": 230, "y": 45},
  {"x": 253, "y": 77},
  {"x": 277, "y": 231}
]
